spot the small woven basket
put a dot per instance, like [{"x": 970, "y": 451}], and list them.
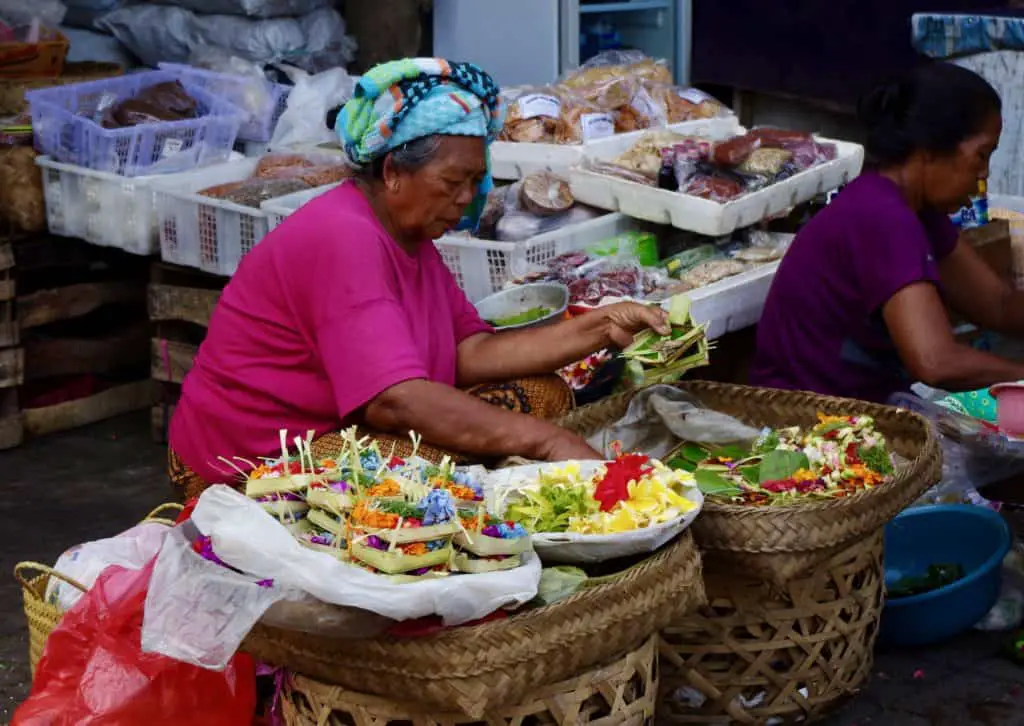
[
  {"x": 480, "y": 668},
  {"x": 622, "y": 693},
  {"x": 781, "y": 542},
  {"x": 44, "y": 616},
  {"x": 760, "y": 654}
]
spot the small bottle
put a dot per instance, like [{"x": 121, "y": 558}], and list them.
[{"x": 667, "y": 173}]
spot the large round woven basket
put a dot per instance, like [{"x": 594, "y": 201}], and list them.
[
  {"x": 620, "y": 693},
  {"x": 781, "y": 542},
  {"x": 477, "y": 669},
  {"x": 761, "y": 654}
]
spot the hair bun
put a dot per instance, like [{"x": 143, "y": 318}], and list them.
[{"x": 886, "y": 102}]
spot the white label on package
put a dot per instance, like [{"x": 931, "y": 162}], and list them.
[
  {"x": 597, "y": 125},
  {"x": 537, "y": 104},
  {"x": 171, "y": 147},
  {"x": 694, "y": 95}
]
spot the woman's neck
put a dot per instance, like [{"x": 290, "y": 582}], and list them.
[
  {"x": 901, "y": 177},
  {"x": 408, "y": 243}
]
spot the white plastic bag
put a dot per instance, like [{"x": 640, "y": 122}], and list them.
[
  {"x": 197, "y": 611},
  {"x": 253, "y": 8},
  {"x": 304, "y": 119},
  {"x": 501, "y": 486},
  {"x": 132, "y": 549},
  {"x": 49, "y": 13},
  {"x": 252, "y": 541}
]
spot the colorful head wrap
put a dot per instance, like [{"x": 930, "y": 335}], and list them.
[{"x": 399, "y": 101}]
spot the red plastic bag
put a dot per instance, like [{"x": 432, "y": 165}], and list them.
[{"x": 93, "y": 671}]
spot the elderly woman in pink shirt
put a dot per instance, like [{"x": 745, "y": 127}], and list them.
[{"x": 346, "y": 314}]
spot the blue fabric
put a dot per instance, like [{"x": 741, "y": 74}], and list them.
[{"x": 952, "y": 36}]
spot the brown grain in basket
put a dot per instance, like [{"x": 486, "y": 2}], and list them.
[
  {"x": 270, "y": 166},
  {"x": 22, "y": 203}
]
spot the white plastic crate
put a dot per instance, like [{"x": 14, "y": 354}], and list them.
[
  {"x": 701, "y": 215},
  {"x": 512, "y": 160},
  {"x": 278, "y": 209},
  {"x": 197, "y": 231},
  {"x": 482, "y": 267},
  {"x": 101, "y": 208}
]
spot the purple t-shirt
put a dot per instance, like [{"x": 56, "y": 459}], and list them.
[{"x": 822, "y": 328}]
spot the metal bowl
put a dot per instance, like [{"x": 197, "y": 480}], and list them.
[{"x": 516, "y": 300}]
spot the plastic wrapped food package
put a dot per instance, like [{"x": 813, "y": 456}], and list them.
[
  {"x": 645, "y": 157},
  {"x": 617, "y": 64},
  {"x": 711, "y": 271},
  {"x": 683, "y": 104},
  {"x": 545, "y": 194},
  {"x": 715, "y": 187},
  {"x": 532, "y": 115},
  {"x": 161, "y": 102},
  {"x": 583, "y": 120}
]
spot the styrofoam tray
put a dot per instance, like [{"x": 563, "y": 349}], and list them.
[
  {"x": 734, "y": 303},
  {"x": 701, "y": 215},
  {"x": 99, "y": 207},
  {"x": 511, "y": 160}
]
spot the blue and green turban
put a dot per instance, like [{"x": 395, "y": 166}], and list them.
[{"x": 404, "y": 100}]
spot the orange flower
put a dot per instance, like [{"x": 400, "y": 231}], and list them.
[
  {"x": 387, "y": 488},
  {"x": 415, "y": 548},
  {"x": 373, "y": 518},
  {"x": 261, "y": 471},
  {"x": 804, "y": 475},
  {"x": 461, "y": 492}
]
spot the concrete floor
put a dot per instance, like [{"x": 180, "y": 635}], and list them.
[{"x": 97, "y": 481}]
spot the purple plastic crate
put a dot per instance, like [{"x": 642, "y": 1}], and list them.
[
  {"x": 261, "y": 101},
  {"x": 62, "y": 120}
]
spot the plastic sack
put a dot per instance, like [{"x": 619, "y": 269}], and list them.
[
  {"x": 572, "y": 547},
  {"x": 20, "y": 12},
  {"x": 161, "y": 33},
  {"x": 254, "y": 8},
  {"x": 533, "y": 115},
  {"x": 659, "y": 417},
  {"x": 94, "y": 673},
  {"x": 132, "y": 550},
  {"x": 304, "y": 119}
]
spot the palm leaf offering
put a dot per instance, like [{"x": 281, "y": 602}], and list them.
[
  {"x": 654, "y": 358},
  {"x": 839, "y": 456}
]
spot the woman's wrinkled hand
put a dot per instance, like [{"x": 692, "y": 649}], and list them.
[
  {"x": 626, "y": 319},
  {"x": 566, "y": 446}
]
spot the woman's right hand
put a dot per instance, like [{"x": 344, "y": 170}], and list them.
[{"x": 566, "y": 446}]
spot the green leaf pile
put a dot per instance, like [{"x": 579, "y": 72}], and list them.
[{"x": 549, "y": 507}]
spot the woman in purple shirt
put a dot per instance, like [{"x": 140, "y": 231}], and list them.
[{"x": 858, "y": 306}]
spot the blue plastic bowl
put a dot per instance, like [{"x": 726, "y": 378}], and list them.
[{"x": 973, "y": 537}]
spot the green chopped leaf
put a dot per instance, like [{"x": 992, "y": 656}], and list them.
[
  {"x": 781, "y": 464},
  {"x": 712, "y": 484},
  {"x": 549, "y": 508},
  {"x": 751, "y": 474},
  {"x": 876, "y": 458}
]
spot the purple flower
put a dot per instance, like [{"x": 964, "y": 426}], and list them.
[{"x": 376, "y": 542}]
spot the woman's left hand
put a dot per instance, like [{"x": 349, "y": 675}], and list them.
[{"x": 626, "y": 319}]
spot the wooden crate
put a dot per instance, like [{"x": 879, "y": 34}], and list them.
[
  {"x": 74, "y": 337},
  {"x": 180, "y": 303}
]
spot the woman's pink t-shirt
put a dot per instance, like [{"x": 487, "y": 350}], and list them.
[{"x": 322, "y": 316}]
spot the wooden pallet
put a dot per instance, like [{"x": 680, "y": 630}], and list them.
[{"x": 180, "y": 303}]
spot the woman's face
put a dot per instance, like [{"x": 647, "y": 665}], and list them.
[
  {"x": 950, "y": 179},
  {"x": 431, "y": 200}
]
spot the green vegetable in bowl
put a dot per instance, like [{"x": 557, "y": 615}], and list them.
[
  {"x": 936, "y": 577},
  {"x": 527, "y": 316},
  {"x": 550, "y": 507}
]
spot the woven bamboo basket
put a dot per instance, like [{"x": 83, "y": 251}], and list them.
[
  {"x": 780, "y": 542},
  {"x": 620, "y": 693},
  {"x": 477, "y": 669},
  {"x": 761, "y": 654},
  {"x": 44, "y": 616}
]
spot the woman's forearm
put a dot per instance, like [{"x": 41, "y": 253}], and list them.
[
  {"x": 963, "y": 368},
  {"x": 451, "y": 419},
  {"x": 531, "y": 352}
]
